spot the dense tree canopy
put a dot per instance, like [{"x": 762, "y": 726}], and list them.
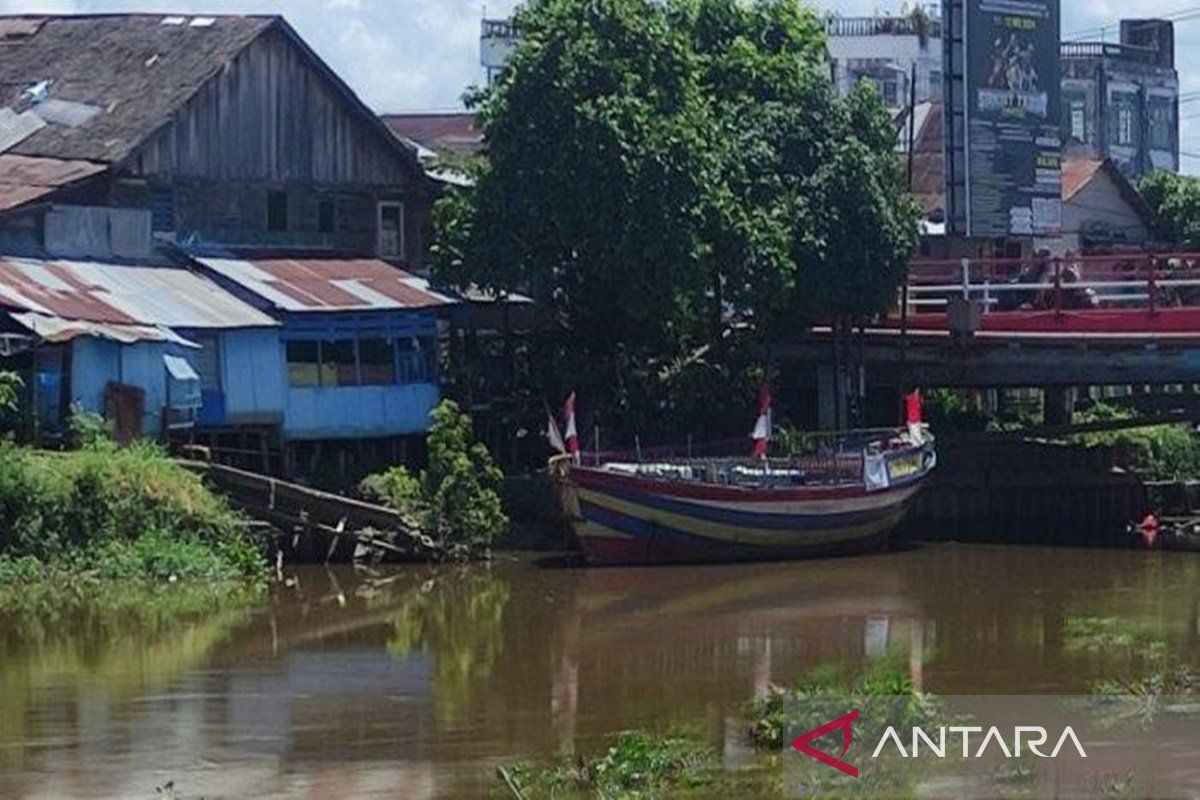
[
  {"x": 669, "y": 178},
  {"x": 1175, "y": 201}
]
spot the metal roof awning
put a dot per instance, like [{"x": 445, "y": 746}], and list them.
[
  {"x": 179, "y": 368},
  {"x": 91, "y": 292},
  {"x": 57, "y": 330},
  {"x": 316, "y": 283},
  {"x": 24, "y": 179}
]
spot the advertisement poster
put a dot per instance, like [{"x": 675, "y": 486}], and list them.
[{"x": 1014, "y": 147}]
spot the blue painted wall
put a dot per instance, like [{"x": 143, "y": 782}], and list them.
[
  {"x": 254, "y": 384},
  {"x": 97, "y": 362},
  {"x": 360, "y": 412},
  {"x": 250, "y": 383},
  {"x": 337, "y": 412}
]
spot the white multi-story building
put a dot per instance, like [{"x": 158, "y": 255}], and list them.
[{"x": 886, "y": 50}]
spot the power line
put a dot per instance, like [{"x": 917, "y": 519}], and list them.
[{"x": 1185, "y": 14}]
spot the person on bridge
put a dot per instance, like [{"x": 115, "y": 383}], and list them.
[{"x": 1076, "y": 297}]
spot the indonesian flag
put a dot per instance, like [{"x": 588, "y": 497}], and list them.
[
  {"x": 913, "y": 415},
  {"x": 762, "y": 428},
  {"x": 570, "y": 432}
]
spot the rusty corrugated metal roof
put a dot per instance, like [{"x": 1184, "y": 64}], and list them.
[
  {"x": 440, "y": 132},
  {"x": 26, "y": 178},
  {"x": 314, "y": 283},
  {"x": 114, "y": 294},
  {"x": 1077, "y": 173},
  {"x": 57, "y": 330}
]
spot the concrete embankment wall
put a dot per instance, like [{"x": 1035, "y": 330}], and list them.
[{"x": 990, "y": 490}]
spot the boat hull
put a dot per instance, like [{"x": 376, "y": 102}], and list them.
[{"x": 628, "y": 520}]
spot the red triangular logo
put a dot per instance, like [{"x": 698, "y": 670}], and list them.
[{"x": 845, "y": 724}]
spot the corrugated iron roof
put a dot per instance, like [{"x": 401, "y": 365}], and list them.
[
  {"x": 1077, "y": 173},
  {"x": 122, "y": 295},
  {"x": 25, "y": 178},
  {"x": 440, "y": 132},
  {"x": 313, "y": 283},
  {"x": 57, "y": 330}
]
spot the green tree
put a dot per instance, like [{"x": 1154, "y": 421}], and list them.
[
  {"x": 1175, "y": 201},
  {"x": 455, "y": 499},
  {"x": 675, "y": 183}
]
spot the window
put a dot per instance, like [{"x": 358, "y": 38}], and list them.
[
  {"x": 277, "y": 211},
  {"x": 1123, "y": 119},
  {"x": 889, "y": 90},
  {"x": 935, "y": 85},
  {"x": 325, "y": 216},
  {"x": 1124, "y": 125},
  {"x": 304, "y": 364},
  {"x": 411, "y": 360},
  {"x": 1162, "y": 122},
  {"x": 339, "y": 363},
  {"x": 370, "y": 361},
  {"x": 1077, "y": 121},
  {"x": 378, "y": 359},
  {"x": 207, "y": 362},
  {"x": 391, "y": 230},
  {"x": 162, "y": 211}
]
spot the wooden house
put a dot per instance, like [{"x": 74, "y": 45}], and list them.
[
  {"x": 142, "y": 140},
  {"x": 228, "y": 129}
]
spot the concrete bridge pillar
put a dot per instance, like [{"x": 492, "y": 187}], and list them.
[
  {"x": 831, "y": 398},
  {"x": 1057, "y": 404}
]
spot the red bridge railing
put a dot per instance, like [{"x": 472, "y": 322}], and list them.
[{"x": 1122, "y": 293}]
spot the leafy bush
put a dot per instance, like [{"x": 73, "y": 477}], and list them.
[
  {"x": 1161, "y": 452},
  {"x": 10, "y": 391},
  {"x": 637, "y": 764},
  {"x": 128, "y": 512},
  {"x": 455, "y": 499}
]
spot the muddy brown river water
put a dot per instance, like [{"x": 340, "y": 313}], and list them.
[{"x": 415, "y": 682}]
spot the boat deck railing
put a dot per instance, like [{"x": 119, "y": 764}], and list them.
[{"x": 817, "y": 459}]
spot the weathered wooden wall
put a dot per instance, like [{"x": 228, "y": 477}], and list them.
[
  {"x": 272, "y": 121},
  {"x": 272, "y": 116}
]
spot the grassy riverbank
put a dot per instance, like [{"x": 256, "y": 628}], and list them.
[{"x": 104, "y": 514}]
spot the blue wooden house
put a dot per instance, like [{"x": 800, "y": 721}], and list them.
[
  {"x": 358, "y": 342},
  {"x": 132, "y": 342}
]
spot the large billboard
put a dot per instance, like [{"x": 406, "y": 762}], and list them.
[{"x": 1012, "y": 118}]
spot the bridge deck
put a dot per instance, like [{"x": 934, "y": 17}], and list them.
[{"x": 1128, "y": 296}]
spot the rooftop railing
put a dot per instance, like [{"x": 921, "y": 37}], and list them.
[
  {"x": 883, "y": 26},
  {"x": 499, "y": 29},
  {"x": 1125, "y": 52}
]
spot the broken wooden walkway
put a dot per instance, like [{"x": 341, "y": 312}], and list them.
[{"x": 314, "y": 526}]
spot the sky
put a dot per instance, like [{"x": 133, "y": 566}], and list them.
[{"x": 419, "y": 55}]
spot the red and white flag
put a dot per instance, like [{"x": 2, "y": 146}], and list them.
[
  {"x": 554, "y": 434},
  {"x": 762, "y": 428},
  {"x": 913, "y": 415},
  {"x": 570, "y": 431}
]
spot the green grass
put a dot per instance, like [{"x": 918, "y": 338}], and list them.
[{"x": 117, "y": 514}]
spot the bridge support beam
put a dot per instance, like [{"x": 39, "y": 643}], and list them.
[
  {"x": 831, "y": 398},
  {"x": 1057, "y": 405}
]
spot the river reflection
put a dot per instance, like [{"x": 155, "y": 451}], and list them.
[{"x": 415, "y": 682}]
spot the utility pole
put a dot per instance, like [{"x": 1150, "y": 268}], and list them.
[{"x": 912, "y": 141}]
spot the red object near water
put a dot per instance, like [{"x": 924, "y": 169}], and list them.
[
  {"x": 762, "y": 427},
  {"x": 1148, "y": 528},
  {"x": 912, "y": 408},
  {"x": 570, "y": 430}
]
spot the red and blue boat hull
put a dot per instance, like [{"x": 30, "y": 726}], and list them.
[{"x": 625, "y": 519}]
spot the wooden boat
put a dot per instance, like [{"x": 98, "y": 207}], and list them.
[{"x": 845, "y": 495}]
